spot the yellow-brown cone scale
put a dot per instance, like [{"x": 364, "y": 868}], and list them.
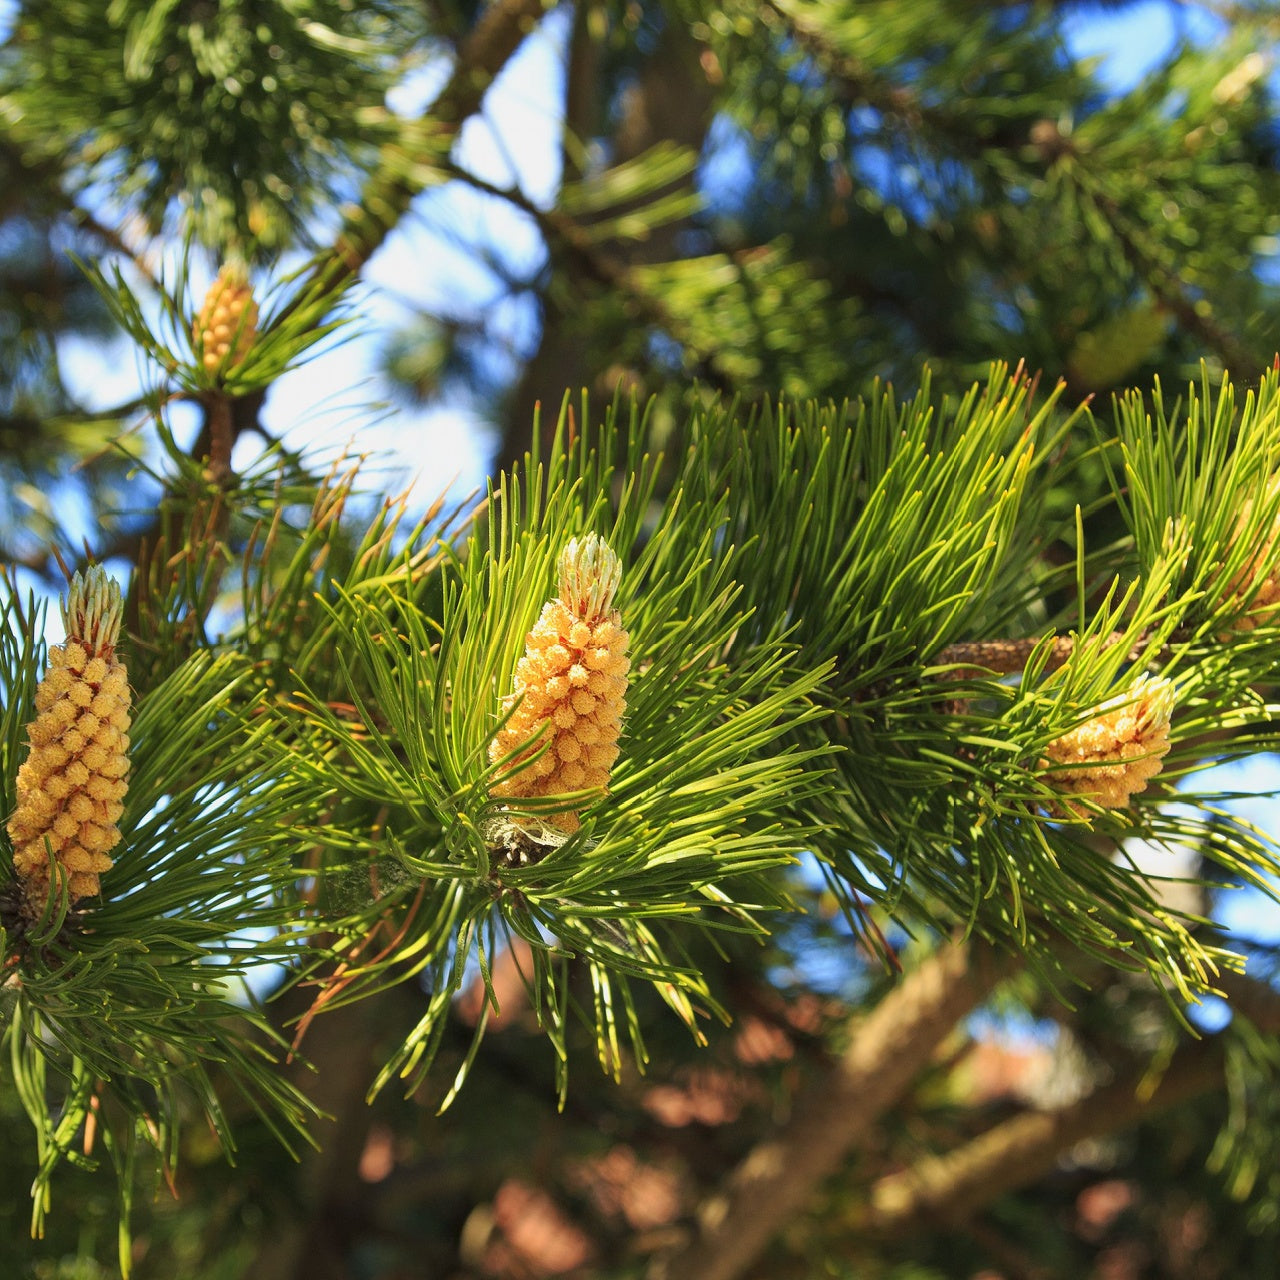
[
  {"x": 570, "y": 686},
  {"x": 227, "y": 324},
  {"x": 1258, "y": 597},
  {"x": 1115, "y": 753},
  {"x": 71, "y": 787}
]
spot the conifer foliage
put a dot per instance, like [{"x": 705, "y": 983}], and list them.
[{"x": 826, "y": 606}]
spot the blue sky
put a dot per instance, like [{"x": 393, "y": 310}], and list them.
[
  {"x": 1131, "y": 42},
  {"x": 431, "y": 262}
]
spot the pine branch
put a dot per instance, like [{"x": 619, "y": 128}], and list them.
[
  {"x": 387, "y": 196},
  {"x": 1008, "y": 657},
  {"x": 590, "y": 262},
  {"x": 779, "y": 1177},
  {"x": 1194, "y": 315},
  {"x": 1016, "y": 1152},
  {"x": 851, "y": 75},
  {"x": 857, "y": 84},
  {"x": 390, "y": 191},
  {"x": 915, "y": 113}
]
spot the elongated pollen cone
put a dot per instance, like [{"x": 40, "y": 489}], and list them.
[
  {"x": 71, "y": 787},
  {"x": 1258, "y": 595},
  {"x": 227, "y": 324},
  {"x": 570, "y": 686}
]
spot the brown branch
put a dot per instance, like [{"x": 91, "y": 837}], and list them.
[
  {"x": 846, "y": 71},
  {"x": 222, "y": 436},
  {"x": 36, "y": 561},
  {"x": 671, "y": 99},
  {"x": 114, "y": 239},
  {"x": 1016, "y": 1152},
  {"x": 594, "y": 264},
  {"x": 391, "y": 189},
  {"x": 901, "y": 105},
  {"x": 1004, "y": 657},
  {"x": 48, "y": 176},
  {"x": 1007, "y": 657},
  {"x": 889, "y": 1048}
]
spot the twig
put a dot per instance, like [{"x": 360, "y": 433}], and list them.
[
  {"x": 849, "y": 74},
  {"x": 1007, "y": 657},
  {"x": 779, "y": 1177},
  {"x": 601, "y": 268},
  {"x": 113, "y": 238},
  {"x": 390, "y": 190},
  {"x": 222, "y": 436},
  {"x": 35, "y": 561},
  {"x": 1016, "y": 1152},
  {"x": 1168, "y": 289}
]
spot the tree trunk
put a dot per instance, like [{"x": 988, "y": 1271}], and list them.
[
  {"x": 779, "y": 1178},
  {"x": 672, "y": 100}
]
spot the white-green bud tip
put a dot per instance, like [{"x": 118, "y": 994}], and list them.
[
  {"x": 589, "y": 576},
  {"x": 92, "y": 609}
]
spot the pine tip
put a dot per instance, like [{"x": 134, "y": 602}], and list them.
[
  {"x": 589, "y": 575},
  {"x": 92, "y": 609}
]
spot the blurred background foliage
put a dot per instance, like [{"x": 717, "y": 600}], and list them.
[{"x": 798, "y": 196}]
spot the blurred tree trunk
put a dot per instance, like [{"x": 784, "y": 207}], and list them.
[
  {"x": 888, "y": 1048},
  {"x": 341, "y": 1059},
  {"x": 672, "y": 100}
]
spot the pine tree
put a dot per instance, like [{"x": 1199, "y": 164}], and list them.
[{"x": 881, "y": 549}]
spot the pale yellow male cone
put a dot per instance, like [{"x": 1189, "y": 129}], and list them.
[
  {"x": 1115, "y": 753},
  {"x": 70, "y": 789},
  {"x": 227, "y": 324},
  {"x": 1258, "y": 597},
  {"x": 570, "y": 686}
]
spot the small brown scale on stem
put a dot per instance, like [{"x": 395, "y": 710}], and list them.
[
  {"x": 570, "y": 687},
  {"x": 71, "y": 787}
]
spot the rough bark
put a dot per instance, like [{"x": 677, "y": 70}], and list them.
[{"x": 890, "y": 1047}]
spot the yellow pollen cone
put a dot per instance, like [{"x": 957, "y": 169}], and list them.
[
  {"x": 1114, "y": 754},
  {"x": 71, "y": 787},
  {"x": 227, "y": 324},
  {"x": 570, "y": 686}
]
